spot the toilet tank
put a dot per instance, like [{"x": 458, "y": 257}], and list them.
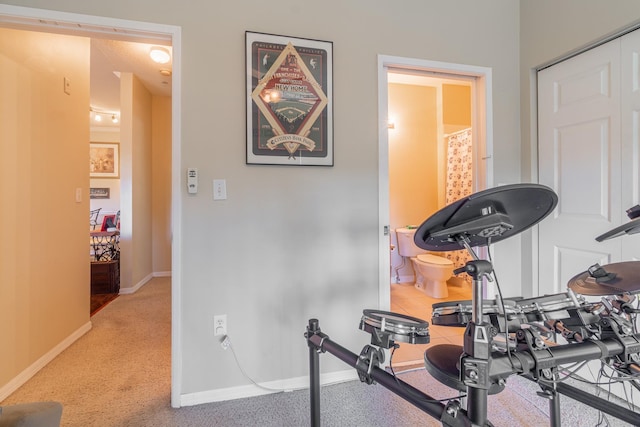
[{"x": 406, "y": 245}]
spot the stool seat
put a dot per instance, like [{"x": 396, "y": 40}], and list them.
[
  {"x": 35, "y": 414},
  {"x": 443, "y": 363}
]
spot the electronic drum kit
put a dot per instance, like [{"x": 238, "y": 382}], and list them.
[{"x": 532, "y": 337}]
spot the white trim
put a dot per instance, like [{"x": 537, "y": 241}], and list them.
[
  {"x": 384, "y": 259},
  {"x": 30, "y": 371},
  {"x": 135, "y": 288},
  {"x": 482, "y": 114},
  {"x": 176, "y": 222},
  {"x": 533, "y": 138},
  {"x": 162, "y": 274},
  {"x": 291, "y": 384},
  {"x": 98, "y": 26},
  {"x": 83, "y": 25}
]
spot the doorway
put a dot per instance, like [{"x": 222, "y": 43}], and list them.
[
  {"x": 47, "y": 21},
  {"x": 413, "y": 80}
]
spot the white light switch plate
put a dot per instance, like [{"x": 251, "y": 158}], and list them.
[{"x": 219, "y": 189}]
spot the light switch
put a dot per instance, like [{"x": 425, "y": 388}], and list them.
[
  {"x": 219, "y": 189},
  {"x": 78, "y": 195}
]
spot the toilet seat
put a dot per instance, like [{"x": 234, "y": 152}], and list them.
[{"x": 434, "y": 259}]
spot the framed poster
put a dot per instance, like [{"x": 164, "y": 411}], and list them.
[
  {"x": 104, "y": 160},
  {"x": 289, "y": 91},
  {"x": 99, "y": 193}
]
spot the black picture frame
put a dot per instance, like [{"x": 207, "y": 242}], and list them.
[{"x": 289, "y": 100}]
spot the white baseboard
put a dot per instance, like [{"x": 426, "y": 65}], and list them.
[
  {"x": 133, "y": 289},
  {"x": 252, "y": 390},
  {"x": 26, "y": 375}
]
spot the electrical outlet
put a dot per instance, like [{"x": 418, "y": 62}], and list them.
[{"x": 219, "y": 325}]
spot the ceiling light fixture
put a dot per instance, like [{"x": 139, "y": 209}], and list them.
[
  {"x": 98, "y": 115},
  {"x": 160, "y": 54}
]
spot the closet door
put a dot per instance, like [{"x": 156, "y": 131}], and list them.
[
  {"x": 580, "y": 159},
  {"x": 630, "y": 136}
]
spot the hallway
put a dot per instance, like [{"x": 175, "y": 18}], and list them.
[{"x": 123, "y": 364}]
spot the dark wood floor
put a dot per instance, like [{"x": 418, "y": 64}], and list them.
[{"x": 99, "y": 301}]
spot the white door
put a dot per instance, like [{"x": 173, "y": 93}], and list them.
[
  {"x": 630, "y": 136},
  {"x": 579, "y": 157}
]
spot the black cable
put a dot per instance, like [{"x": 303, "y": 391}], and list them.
[
  {"x": 634, "y": 317},
  {"x": 401, "y": 384},
  {"x": 572, "y": 375}
]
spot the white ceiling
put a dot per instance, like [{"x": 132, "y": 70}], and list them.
[{"x": 111, "y": 57}]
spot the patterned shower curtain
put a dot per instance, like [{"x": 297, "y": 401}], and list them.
[{"x": 459, "y": 182}]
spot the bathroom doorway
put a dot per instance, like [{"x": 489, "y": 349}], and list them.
[
  {"x": 434, "y": 144},
  {"x": 430, "y": 154}
]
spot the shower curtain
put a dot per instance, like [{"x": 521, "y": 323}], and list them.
[{"x": 459, "y": 182}]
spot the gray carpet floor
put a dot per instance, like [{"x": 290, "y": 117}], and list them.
[{"x": 118, "y": 375}]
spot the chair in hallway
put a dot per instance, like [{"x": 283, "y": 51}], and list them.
[{"x": 93, "y": 218}]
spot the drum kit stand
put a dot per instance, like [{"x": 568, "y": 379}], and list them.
[{"x": 514, "y": 336}]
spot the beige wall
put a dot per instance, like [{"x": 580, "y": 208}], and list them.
[
  {"x": 44, "y": 253},
  {"x": 295, "y": 243},
  {"x": 135, "y": 182},
  {"x": 161, "y": 189},
  {"x": 414, "y": 164},
  {"x": 292, "y": 243},
  {"x": 456, "y": 108},
  {"x": 160, "y": 163},
  {"x": 413, "y": 159}
]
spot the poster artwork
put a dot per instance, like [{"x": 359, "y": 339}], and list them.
[{"x": 289, "y": 104}]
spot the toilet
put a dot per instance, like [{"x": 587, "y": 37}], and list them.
[{"x": 432, "y": 271}]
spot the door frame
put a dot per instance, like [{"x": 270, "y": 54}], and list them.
[
  {"x": 482, "y": 125},
  {"x": 43, "y": 20}
]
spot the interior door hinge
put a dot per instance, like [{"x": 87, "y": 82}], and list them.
[{"x": 386, "y": 230}]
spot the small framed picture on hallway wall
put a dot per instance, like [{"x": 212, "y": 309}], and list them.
[
  {"x": 104, "y": 160},
  {"x": 99, "y": 193},
  {"x": 289, "y": 96}
]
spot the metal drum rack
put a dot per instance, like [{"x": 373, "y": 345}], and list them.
[{"x": 592, "y": 331}]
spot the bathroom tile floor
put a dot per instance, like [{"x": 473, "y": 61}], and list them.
[{"x": 408, "y": 300}]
